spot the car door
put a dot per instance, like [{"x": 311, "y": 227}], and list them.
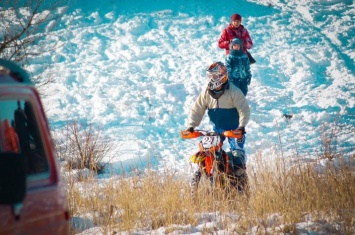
[{"x": 24, "y": 131}]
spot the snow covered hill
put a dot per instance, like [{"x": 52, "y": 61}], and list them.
[{"x": 135, "y": 68}]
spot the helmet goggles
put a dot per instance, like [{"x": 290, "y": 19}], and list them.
[
  {"x": 216, "y": 80},
  {"x": 217, "y": 75}
]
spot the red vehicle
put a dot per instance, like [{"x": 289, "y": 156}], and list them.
[{"x": 32, "y": 193}]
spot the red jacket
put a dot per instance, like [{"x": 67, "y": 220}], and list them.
[{"x": 229, "y": 33}]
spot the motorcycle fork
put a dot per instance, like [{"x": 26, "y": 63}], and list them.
[{"x": 217, "y": 174}]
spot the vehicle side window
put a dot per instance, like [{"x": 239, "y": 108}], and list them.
[{"x": 19, "y": 133}]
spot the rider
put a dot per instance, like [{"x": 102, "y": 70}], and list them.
[{"x": 227, "y": 109}]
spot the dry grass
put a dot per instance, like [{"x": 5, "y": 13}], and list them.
[
  {"x": 303, "y": 191},
  {"x": 281, "y": 196}
]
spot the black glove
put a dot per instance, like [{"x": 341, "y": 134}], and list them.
[
  {"x": 242, "y": 129},
  {"x": 190, "y": 129}
]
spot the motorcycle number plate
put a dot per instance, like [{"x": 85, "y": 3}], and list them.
[{"x": 210, "y": 141}]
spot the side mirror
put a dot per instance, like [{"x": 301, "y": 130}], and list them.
[{"x": 12, "y": 178}]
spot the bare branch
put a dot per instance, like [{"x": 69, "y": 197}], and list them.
[{"x": 24, "y": 23}]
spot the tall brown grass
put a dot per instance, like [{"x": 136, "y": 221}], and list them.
[{"x": 281, "y": 195}]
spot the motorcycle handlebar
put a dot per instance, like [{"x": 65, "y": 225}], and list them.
[{"x": 197, "y": 133}]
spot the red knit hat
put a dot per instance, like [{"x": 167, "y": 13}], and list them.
[{"x": 236, "y": 17}]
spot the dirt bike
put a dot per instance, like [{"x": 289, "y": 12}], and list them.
[{"x": 225, "y": 170}]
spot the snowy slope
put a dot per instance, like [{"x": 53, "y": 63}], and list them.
[{"x": 135, "y": 68}]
